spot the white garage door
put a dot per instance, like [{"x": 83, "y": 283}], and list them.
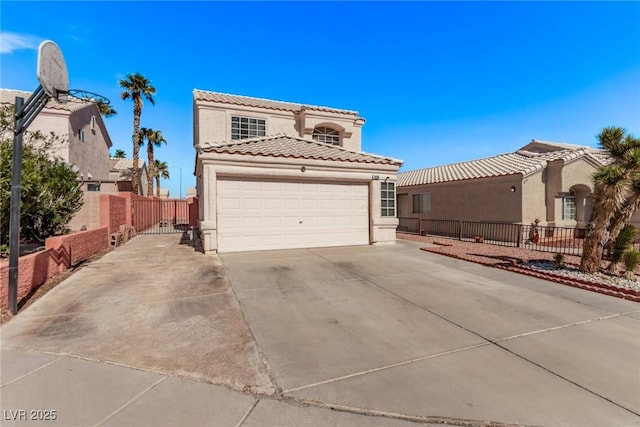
[{"x": 254, "y": 215}]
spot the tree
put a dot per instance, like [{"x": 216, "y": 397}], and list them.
[
  {"x": 612, "y": 191},
  {"x": 136, "y": 86},
  {"x": 160, "y": 170},
  {"x": 106, "y": 110},
  {"x": 153, "y": 137},
  {"x": 120, "y": 154},
  {"x": 50, "y": 191}
]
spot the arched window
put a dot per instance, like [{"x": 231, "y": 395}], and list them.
[{"x": 326, "y": 135}]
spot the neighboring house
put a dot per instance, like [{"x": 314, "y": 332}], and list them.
[
  {"x": 546, "y": 180},
  {"x": 85, "y": 140},
  {"x": 276, "y": 175},
  {"x": 121, "y": 173}
]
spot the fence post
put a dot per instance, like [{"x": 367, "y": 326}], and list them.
[
  {"x": 459, "y": 230},
  {"x": 519, "y": 241}
]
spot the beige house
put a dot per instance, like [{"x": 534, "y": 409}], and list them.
[
  {"x": 278, "y": 175},
  {"x": 546, "y": 180},
  {"x": 121, "y": 174},
  {"x": 85, "y": 140}
]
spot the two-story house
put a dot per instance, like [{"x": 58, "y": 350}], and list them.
[
  {"x": 84, "y": 141},
  {"x": 278, "y": 175}
]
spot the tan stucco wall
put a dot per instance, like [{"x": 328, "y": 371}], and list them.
[
  {"x": 486, "y": 199},
  {"x": 534, "y": 200},
  {"x": 212, "y": 123},
  {"x": 92, "y": 155}
]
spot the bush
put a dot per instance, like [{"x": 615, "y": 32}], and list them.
[
  {"x": 631, "y": 260},
  {"x": 558, "y": 260},
  {"x": 622, "y": 243},
  {"x": 50, "y": 192}
]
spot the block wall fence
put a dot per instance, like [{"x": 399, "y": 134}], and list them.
[{"x": 66, "y": 251}]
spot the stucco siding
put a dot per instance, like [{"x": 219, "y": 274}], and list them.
[
  {"x": 577, "y": 172},
  {"x": 212, "y": 123},
  {"x": 487, "y": 199},
  {"x": 534, "y": 200},
  {"x": 91, "y": 155}
]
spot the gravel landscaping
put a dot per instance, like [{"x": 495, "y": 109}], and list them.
[{"x": 533, "y": 263}]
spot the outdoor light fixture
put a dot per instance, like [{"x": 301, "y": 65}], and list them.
[
  {"x": 513, "y": 189},
  {"x": 302, "y": 169}
]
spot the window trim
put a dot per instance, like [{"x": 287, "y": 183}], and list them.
[
  {"x": 255, "y": 127},
  {"x": 565, "y": 205},
  {"x": 388, "y": 200},
  {"x": 424, "y": 204},
  {"x": 326, "y": 135}
]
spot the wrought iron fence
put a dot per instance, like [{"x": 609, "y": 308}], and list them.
[{"x": 565, "y": 240}]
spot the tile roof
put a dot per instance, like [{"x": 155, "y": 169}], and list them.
[
  {"x": 247, "y": 101},
  {"x": 123, "y": 164},
  {"x": 8, "y": 96},
  {"x": 520, "y": 162},
  {"x": 281, "y": 145}
]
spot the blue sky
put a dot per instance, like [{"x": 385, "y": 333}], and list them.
[{"x": 438, "y": 82}]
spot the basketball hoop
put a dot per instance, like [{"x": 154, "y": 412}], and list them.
[{"x": 79, "y": 95}]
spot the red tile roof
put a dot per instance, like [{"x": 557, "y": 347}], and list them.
[
  {"x": 297, "y": 148},
  {"x": 247, "y": 101}
]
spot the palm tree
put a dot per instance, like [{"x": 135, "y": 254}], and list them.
[
  {"x": 611, "y": 190},
  {"x": 160, "y": 170},
  {"x": 106, "y": 110},
  {"x": 136, "y": 86},
  {"x": 153, "y": 137},
  {"x": 120, "y": 154}
]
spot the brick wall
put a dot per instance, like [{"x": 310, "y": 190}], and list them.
[
  {"x": 81, "y": 245},
  {"x": 113, "y": 212},
  {"x": 62, "y": 252}
]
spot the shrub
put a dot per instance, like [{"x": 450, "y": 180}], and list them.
[
  {"x": 50, "y": 192},
  {"x": 623, "y": 242},
  {"x": 631, "y": 260},
  {"x": 558, "y": 260}
]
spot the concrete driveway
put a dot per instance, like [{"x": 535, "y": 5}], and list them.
[
  {"x": 155, "y": 304},
  {"x": 393, "y": 329}
]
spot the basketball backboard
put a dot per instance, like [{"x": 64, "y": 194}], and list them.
[{"x": 52, "y": 71}]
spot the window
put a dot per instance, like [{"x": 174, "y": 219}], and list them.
[
  {"x": 326, "y": 135},
  {"x": 388, "y": 198},
  {"x": 81, "y": 135},
  {"x": 93, "y": 187},
  {"x": 569, "y": 207},
  {"x": 247, "y": 127},
  {"x": 422, "y": 203}
]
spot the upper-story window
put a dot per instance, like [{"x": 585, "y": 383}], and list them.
[
  {"x": 81, "y": 135},
  {"x": 247, "y": 127},
  {"x": 326, "y": 135}
]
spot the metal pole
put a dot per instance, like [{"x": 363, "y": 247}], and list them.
[
  {"x": 14, "y": 220},
  {"x": 180, "y": 182}
]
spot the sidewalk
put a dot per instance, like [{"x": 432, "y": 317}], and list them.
[{"x": 47, "y": 389}]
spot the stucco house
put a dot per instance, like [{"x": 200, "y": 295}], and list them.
[
  {"x": 121, "y": 173},
  {"x": 85, "y": 140},
  {"x": 546, "y": 180},
  {"x": 278, "y": 175}
]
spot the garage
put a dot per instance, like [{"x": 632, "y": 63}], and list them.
[{"x": 260, "y": 215}]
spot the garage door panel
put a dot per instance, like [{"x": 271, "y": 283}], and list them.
[{"x": 256, "y": 215}]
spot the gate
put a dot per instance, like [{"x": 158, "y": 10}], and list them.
[{"x": 153, "y": 216}]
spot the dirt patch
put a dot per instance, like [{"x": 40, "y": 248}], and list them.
[{"x": 29, "y": 299}]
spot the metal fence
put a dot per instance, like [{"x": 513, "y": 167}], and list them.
[
  {"x": 563, "y": 240},
  {"x": 153, "y": 216}
]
